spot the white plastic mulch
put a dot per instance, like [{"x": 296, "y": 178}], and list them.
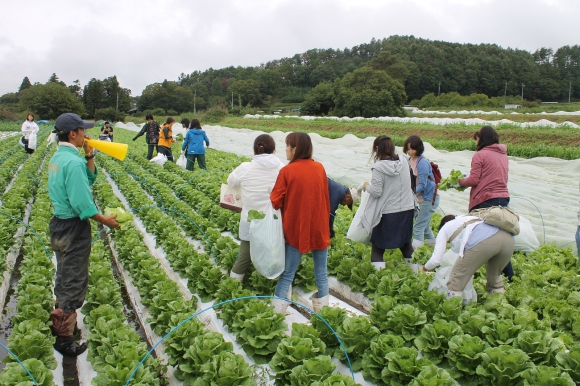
[{"x": 433, "y": 121}]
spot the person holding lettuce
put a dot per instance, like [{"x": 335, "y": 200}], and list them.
[{"x": 69, "y": 180}]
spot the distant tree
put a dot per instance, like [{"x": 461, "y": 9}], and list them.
[
  {"x": 110, "y": 114},
  {"x": 166, "y": 95},
  {"x": 115, "y": 93},
  {"x": 10, "y": 98},
  {"x": 50, "y": 100},
  {"x": 76, "y": 89},
  {"x": 248, "y": 90},
  {"x": 54, "y": 79},
  {"x": 369, "y": 93},
  {"x": 25, "y": 84},
  {"x": 94, "y": 96},
  {"x": 319, "y": 101}
]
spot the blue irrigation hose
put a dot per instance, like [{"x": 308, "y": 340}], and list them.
[
  {"x": 99, "y": 234},
  {"x": 188, "y": 219},
  {"x": 541, "y": 217},
  {"x": 142, "y": 180},
  {"x": 234, "y": 300},
  {"x": 21, "y": 364}
]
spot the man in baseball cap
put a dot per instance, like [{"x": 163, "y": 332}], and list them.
[
  {"x": 70, "y": 177},
  {"x": 340, "y": 195}
]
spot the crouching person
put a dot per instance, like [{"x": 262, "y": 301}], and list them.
[
  {"x": 69, "y": 181},
  {"x": 476, "y": 243}
]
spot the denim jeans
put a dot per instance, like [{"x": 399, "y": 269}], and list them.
[
  {"x": 578, "y": 241},
  {"x": 293, "y": 258},
  {"x": 422, "y": 228}
]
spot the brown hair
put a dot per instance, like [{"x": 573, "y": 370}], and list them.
[
  {"x": 414, "y": 142},
  {"x": 383, "y": 148},
  {"x": 169, "y": 120},
  {"x": 195, "y": 124},
  {"x": 302, "y": 143},
  {"x": 487, "y": 136},
  {"x": 445, "y": 220},
  {"x": 29, "y": 114},
  {"x": 264, "y": 144}
]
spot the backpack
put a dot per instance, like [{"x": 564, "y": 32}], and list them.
[{"x": 436, "y": 178}]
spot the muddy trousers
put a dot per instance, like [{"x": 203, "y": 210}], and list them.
[
  {"x": 495, "y": 252},
  {"x": 70, "y": 239}
]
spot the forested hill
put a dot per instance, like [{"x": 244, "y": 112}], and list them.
[{"x": 420, "y": 64}]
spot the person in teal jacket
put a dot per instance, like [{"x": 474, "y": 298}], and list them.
[
  {"x": 193, "y": 145},
  {"x": 70, "y": 177}
]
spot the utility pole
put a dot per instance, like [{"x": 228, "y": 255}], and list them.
[
  {"x": 194, "y": 95},
  {"x": 569, "y": 92},
  {"x": 232, "y": 100},
  {"x": 523, "y": 85},
  {"x": 117, "y": 100},
  {"x": 505, "y": 90},
  {"x": 439, "y": 90}
]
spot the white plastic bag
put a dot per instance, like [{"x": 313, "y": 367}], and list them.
[
  {"x": 267, "y": 247},
  {"x": 32, "y": 141},
  {"x": 159, "y": 159},
  {"x": 52, "y": 138},
  {"x": 526, "y": 240},
  {"x": 356, "y": 232},
  {"x": 181, "y": 161},
  {"x": 442, "y": 274}
]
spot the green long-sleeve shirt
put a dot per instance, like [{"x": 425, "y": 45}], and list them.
[{"x": 69, "y": 182}]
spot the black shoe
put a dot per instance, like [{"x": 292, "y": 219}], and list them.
[{"x": 69, "y": 347}]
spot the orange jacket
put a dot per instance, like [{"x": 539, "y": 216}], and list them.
[
  {"x": 301, "y": 191},
  {"x": 162, "y": 140}
]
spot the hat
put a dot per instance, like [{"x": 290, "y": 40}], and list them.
[
  {"x": 68, "y": 122},
  {"x": 355, "y": 197}
]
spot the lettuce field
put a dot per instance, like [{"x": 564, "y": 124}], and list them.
[{"x": 160, "y": 285}]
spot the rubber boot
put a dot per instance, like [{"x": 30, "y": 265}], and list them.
[
  {"x": 378, "y": 265},
  {"x": 237, "y": 276},
  {"x": 280, "y": 306},
  {"x": 417, "y": 243},
  {"x": 67, "y": 346},
  {"x": 63, "y": 326},
  {"x": 451, "y": 294},
  {"x": 318, "y": 303},
  {"x": 289, "y": 293}
]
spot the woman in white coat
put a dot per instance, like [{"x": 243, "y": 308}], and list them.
[
  {"x": 256, "y": 179},
  {"x": 28, "y": 127}
]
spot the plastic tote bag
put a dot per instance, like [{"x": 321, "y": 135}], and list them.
[
  {"x": 442, "y": 274},
  {"x": 182, "y": 161},
  {"x": 356, "y": 232},
  {"x": 526, "y": 240},
  {"x": 159, "y": 159},
  {"x": 32, "y": 141},
  {"x": 267, "y": 247}
]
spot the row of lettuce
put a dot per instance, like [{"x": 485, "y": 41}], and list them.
[{"x": 529, "y": 334}]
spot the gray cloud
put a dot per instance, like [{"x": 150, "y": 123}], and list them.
[{"x": 145, "y": 41}]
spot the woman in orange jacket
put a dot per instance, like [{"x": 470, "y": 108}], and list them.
[
  {"x": 166, "y": 138},
  {"x": 301, "y": 192}
]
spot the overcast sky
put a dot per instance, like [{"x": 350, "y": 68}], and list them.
[{"x": 144, "y": 42}]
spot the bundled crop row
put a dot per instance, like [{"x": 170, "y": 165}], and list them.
[
  {"x": 168, "y": 309},
  {"x": 31, "y": 339}
]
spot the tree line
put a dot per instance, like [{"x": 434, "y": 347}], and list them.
[{"x": 374, "y": 78}]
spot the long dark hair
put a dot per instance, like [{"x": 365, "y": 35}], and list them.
[
  {"x": 383, "y": 148},
  {"x": 185, "y": 123},
  {"x": 264, "y": 144},
  {"x": 487, "y": 136},
  {"x": 195, "y": 124},
  {"x": 302, "y": 143}
]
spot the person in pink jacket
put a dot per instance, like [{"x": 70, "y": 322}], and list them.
[{"x": 488, "y": 176}]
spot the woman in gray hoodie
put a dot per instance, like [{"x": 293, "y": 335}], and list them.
[{"x": 390, "y": 209}]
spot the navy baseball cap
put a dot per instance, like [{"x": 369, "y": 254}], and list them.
[{"x": 68, "y": 122}]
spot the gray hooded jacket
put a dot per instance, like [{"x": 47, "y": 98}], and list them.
[{"x": 390, "y": 191}]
